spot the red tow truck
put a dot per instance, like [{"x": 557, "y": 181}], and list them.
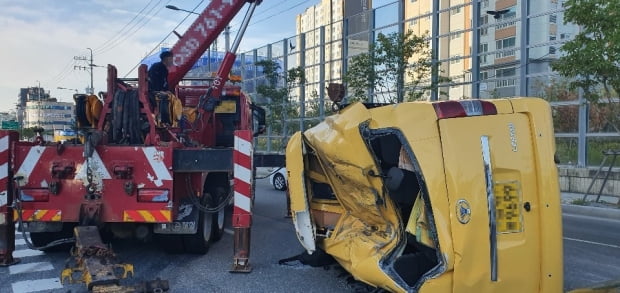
[{"x": 163, "y": 164}]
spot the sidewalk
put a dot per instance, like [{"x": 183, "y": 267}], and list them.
[{"x": 572, "y": 203}]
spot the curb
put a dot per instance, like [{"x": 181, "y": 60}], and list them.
[{"x": 607, "y": 213}]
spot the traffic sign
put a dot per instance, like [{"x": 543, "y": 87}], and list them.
[{"x": 11, "y": 125}]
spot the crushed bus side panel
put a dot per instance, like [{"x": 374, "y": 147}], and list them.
[{"x": 410, "y": 199}]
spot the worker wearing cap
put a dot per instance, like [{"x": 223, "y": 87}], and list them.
[{"x": 158, "y": 73}]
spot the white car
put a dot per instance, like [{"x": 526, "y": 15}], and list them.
[{"x": 279, "y": 179}]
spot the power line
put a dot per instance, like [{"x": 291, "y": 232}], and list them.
[
  {"x": 516, "y": 67},
  {"x": 263, "y": 11},
  {"x": 165, "y": 38},
  {"x": 63, "y": 72},
  {"x": 275, "y": 14},
  {"x": 118, "y": 34},
  {"x": 136, "y": 28}
]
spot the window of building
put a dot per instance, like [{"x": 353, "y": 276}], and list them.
[
  {"x": 484, "y": 20},
  {"x": 456, "y": 11},
  {"x": 412, "y": 1},
  {"x": 551, "y": 50},
  {"x": 483, "y": 48},
  {"x": 504, "y": 18},
  {"x": 484, "y": 75},
  {"x": 553, "y": 18},
  {"x": 505, "y": 72},
  {"x": 455, "y": 36},
  {"x": 456, "y": 59},
  {"x": 505, "y": 44}
]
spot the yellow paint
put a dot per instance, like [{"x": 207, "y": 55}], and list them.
[
  {"x": 38, "y": 215},
  {"x": 449, "y": 153},
  {"x": 146, "y": 216},
  {"x": 228, "y": 106}
]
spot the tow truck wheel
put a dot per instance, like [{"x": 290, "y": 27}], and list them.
[
  {"x": 219, "y": 217},
  {"x": 199, "y": 243}
]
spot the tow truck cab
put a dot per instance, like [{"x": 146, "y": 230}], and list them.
[{"x": 450, "y": 196}]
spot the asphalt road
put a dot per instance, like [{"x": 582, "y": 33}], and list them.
[
  {"x": 591, "y": 250},
  {"x": 591, "y": 255}
]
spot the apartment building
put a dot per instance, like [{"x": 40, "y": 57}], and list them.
[
  {"x": 330, "y": 14},
  {"x": 499, "y": 47}
]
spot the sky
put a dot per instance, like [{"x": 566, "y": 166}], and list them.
[{"x": 41, "y": 39}]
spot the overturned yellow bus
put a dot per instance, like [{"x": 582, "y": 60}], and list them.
[{"x": 449, "y": 196}]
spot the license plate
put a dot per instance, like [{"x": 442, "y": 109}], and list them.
[
  {"x": 508, "y": 207},
  {"x": 226, "y": 107}
]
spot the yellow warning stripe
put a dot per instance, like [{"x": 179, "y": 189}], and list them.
[
  {"x": 147, "y": 216},
  {"x": 39, "y": 215}
]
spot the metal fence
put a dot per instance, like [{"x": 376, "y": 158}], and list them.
[{"x": 483, "y": 56}]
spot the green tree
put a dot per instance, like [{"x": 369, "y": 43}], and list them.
[
  {"x": 592, "y": 59},
  {"x": 313, "y": 109},
  {"x": 279, "y": 87},
  {"x": 394, "y": 62},
  {"x": 565, "y": 118},
  {"x": 29, "y": 132}
]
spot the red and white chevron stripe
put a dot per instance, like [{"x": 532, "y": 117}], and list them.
[
  {"x": 4, "y": 174},
  {"x": 242, "y": 160},
  {"x": 7, "y": 229}
]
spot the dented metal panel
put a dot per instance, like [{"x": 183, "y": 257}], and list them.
[{"x": 479, "y": 225}]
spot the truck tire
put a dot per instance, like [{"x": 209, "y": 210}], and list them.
[
  {"x": 219, "y": 218},
  {"x": 199, "y": 243}
]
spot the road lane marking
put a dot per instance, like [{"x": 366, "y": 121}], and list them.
[
  {"x": 20, "y": 241},
  {"x": 229, "y": 231},
  {"x": 592, "y": 242},
  {"x": 36, "y": 285},
  {"x": 27, "y": 253},
  {"x": 30, "y": 267}
]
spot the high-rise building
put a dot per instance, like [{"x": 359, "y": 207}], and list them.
[
  {"x": 330, "y": 14},
  {"x": 500, "y": 34}
]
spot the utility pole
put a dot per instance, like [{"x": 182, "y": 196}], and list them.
[
  {"x": 90, "y": 64},
  {"x": 89, "y": 68}
]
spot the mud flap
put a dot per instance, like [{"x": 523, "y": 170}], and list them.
[{"x": 185, "y": 222}]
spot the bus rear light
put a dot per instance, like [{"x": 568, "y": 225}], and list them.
[
  {"x": 466, "y": 108},
  {"x": 34, "y": 195},
  {"x": 153, "y": 195}
]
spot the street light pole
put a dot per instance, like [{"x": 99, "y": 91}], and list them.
[
  {"x": 64, "y": 88},
  {"x": 180, "y": 9}
]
